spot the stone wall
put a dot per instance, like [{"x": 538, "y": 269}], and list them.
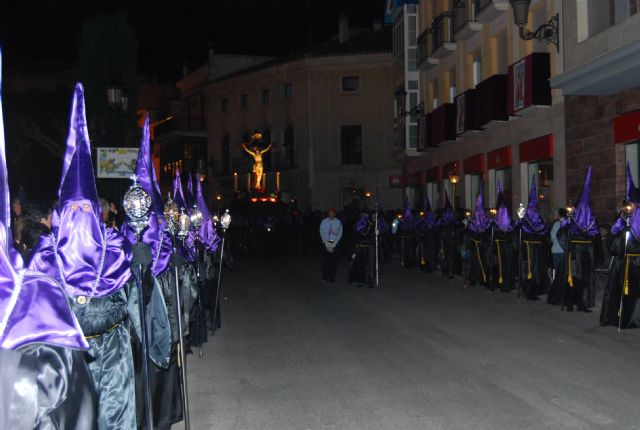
[{"x": 589, "y": 141}]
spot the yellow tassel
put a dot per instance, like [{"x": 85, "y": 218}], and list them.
[
  {"x": 423, "y": 261},
  {"x": 529, "y": 275},
  {"x": 570, "y": 278},
  {"x": 484, "y": 277},
  {"x": 626, "y": 276},
  {"x": 499, "y": 263}
]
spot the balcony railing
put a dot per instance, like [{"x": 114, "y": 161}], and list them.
[
  {"x": 442, "y": 30},
  {"x": 424, "y": 46},
  {"x": 486, "y": 10},
  {"x": 464, "y": 12}
]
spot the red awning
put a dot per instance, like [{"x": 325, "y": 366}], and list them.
[
  {"x": 474, "y": 165},
  {"x": 499, "y": 158},
  {"x": 434, "y": 174},
  {"x": 626, "y": 128},
  {"x": 540, "y": 148}
]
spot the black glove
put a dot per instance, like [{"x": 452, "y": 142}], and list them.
[
  {"x": 177, "y": 260},
  {"x": 141, "y": 255}
]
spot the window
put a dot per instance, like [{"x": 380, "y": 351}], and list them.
[
  {"x": 350, "y": 84},
  {"x": 413, "y": 136},
  {"x": 264, "y": 96},
  {"x": 244, "y": 100},
  {"x": 632, "y": 155},
  {"x": 224, "y": 104},
  {"x": 351, "y": 144},
  {"x": 412, "y": 59},
  {"x": 288, "y": 90},
  {"x": 476, "y": 68},
  {"x": 596, "y": 16}
]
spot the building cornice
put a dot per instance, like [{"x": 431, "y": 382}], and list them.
[{"x": 607, "y": 74}]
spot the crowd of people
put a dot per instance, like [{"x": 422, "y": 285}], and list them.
[
  {"x": 492, "y": 248},
  {"x": 99, "y": 309}
]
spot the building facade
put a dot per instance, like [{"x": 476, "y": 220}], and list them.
[
  {"x": 488, "y": 112},
  {"x": 323, "y": 110},
  {"x": 601, "y": 87}
]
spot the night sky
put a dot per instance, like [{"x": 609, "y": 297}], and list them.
[{"x": 171, "y": 33}]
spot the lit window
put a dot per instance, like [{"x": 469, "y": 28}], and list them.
[{"x": 264, "y": 96}]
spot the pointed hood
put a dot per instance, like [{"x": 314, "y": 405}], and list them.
[
  {"x": 207, "y": 230},
  {"x": 584, "y": 222},
  {"x": 154, "y": 235},
  {"x": 447, "y": 214},
  {"x": 503, "y": 219},
  {"x": 407, "y": 223},
  {"x": 84, "y": 256},
  {"x": 78, "y": 181},
  {"x": 428, "y": 219},
  {"x": 189, "y": 197},
  {"x": 178, "y": 195},
  {"x": 480, "y": 222},
  {"x": 533, "y": 222},
  {"x": 33, "y": 308},
  {"x": 363, "y": 223},
  {"x": 633, "y": 194}
]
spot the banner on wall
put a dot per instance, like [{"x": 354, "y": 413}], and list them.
[{"x": 116, "y": 163}]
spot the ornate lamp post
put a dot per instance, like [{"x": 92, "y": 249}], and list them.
[{"x": 548, "y": 31}]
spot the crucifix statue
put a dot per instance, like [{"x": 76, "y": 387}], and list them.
[{"x": 256, "y": 153}]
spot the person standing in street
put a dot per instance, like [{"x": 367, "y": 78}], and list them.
[{"x": 330, "y": 233}]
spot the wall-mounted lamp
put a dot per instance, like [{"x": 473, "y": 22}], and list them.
[{"x": 548, "y": 31}]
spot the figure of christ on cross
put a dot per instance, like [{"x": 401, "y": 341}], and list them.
[{"x": 258, "y": 167}]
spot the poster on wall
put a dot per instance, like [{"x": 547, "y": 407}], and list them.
[
  {"x": 519, "y": 85},
  {"x": 460, "y": 114},
  {"x": 116, "y": 162}
]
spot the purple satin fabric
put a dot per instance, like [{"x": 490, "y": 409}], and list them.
[
  {"x": 503, "y": 220},
  {"x": 533, "y": 222},
  {"x": 154, "y": 235},
  {"x": 480, "y": 222},
  {"x": 207, "y": 231},
  {"x": 33, "y": 308},
  {"x": 446, "y": 218},
  {"x": 78, "y": 181},
  {"x": 79, "y": 248},
  {"x": 427, "y": 221},
  {"x": 178, "y": 195},
  {"x": 189, "y": 198},
  {"x": 362, "y": 223}
]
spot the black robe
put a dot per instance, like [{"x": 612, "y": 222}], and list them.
[
  {"x": 363, "y": 258},
  {"x": 617, "y": 289},
  {"x": 449, "y": 249},
  {"x": 504, "y": 267},
  {"x": 427, "y": 249},
  {"x": 535, "y": 255},
  {"x": 477, "y": 244},
  {"x": 575, "y": 280},
  {"x": 407, "y": 248},
  {"x": 64, "y": 396}
]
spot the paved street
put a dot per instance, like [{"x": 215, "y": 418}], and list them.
[{"x": 421, "y": 352}]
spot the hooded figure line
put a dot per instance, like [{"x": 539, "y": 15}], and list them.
[
  {"x": 623, "y": 285},
  {"x": 92, "y": 263},
  {"x": 478, "y": 240},
  {"x": 427, "y": 238},
  {"x": 535, "y": 249}
]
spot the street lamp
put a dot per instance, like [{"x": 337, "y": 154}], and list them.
[
  {"x": 548, "y": 31},
  {"x": 453, "y": 178}
]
